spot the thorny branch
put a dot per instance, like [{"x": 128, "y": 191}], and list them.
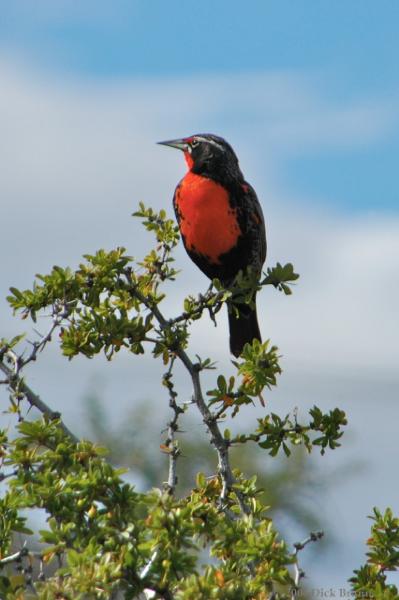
[
  {"x": 209, "y": 301},
  {"x": 59, "y": 313},
  {"x": 314, "y": 536},
  {"x": 171, "y": 444},
  {"x": 221, "y": 445},
  {"x": 15, "y": 381},
  {"x": 17, "y": 385}
]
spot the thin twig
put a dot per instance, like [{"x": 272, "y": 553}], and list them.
[
  {"x": 17, "y": 385},
  {"x": 171, "y": 443},
  {"x": 152, "y": 591},
  {"x": 299, "y": 573},
  {"x": 15, "y": 381},
  {"x": 149, "y": 565},
  {"x": 202, "y": 305},
  {"x": 58, "y": 316},
  {"x": 15, "y": 557}
]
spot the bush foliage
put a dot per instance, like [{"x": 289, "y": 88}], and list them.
[{"x": 102, "y": 539}]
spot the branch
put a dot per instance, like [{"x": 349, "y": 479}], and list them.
[
  {"x": 15, "y": 557},
  {"x": 299, "y": 573},
  {"x": 153, "y": 591},
  {"x": 59, "y": 313},
  {"x": 149, "y": 565},
  {"x": 221, "y": 445},
  {"x": 26, "y": 571},
  {"x": 209, "y": 301},
  {"x": 171, "y": 443},
  {"x": 15, "y": 382},
  {"x": 17, "y": 385}
]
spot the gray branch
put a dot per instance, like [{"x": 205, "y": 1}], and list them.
[
  {"x": 221, "y": 445},
  {"x": 17, "y": 385},
  {"x": 17, "y": 556},
  {"x": 14, "y": 380},
  {"x": 171, "y": 442},
  {"x": 299, "y": 573},
  {"x": 14, "y": 557},
  {"x": 60, "y": 312}
]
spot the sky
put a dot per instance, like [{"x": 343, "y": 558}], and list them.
[
  {"x": 307, "y": 93},
  {"x": 349, "y": 48}
]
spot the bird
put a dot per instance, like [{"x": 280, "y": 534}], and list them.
[{"x": 221, "y": 223}]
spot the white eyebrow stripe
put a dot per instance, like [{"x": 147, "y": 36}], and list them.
[{"x": 209, "y": 141}]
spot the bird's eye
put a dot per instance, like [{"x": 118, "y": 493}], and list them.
[{"x": 194, "y": 143}]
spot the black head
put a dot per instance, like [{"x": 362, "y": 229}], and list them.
[{"x": 209, "y": 155}]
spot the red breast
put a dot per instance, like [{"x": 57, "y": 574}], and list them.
[{"x": 207, "y": 221}]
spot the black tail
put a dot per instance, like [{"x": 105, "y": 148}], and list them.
[{"x": 243, "y": 328}]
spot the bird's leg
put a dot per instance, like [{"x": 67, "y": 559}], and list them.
[{"x": 212, "y": 316}]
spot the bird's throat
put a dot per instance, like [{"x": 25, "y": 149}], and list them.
[{"x": 189, "y": 160}]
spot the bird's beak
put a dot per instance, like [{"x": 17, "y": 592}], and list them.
[{"x": 179, "y": 144}]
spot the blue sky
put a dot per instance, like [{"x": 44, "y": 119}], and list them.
[
  {"x": 356, "y": 39},
  {"x": 351, "y": 47}
]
